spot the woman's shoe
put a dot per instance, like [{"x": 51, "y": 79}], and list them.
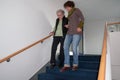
[
  {"x": 52, "y": 66},
  {"x": 65, "y": 69},
  {"x": 60, "y": 65},
  {"x": 75, "y": 68}
]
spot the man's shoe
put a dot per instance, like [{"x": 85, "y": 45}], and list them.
[
  {"x": 65, "y": 69},
  {"x": 75, "y": 68}
]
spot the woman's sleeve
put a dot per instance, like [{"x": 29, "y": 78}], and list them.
[
  {"x": 66, "y": 21},
  {"x": 54, "y": 28}
]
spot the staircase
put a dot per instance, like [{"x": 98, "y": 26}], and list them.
[{"x": 88, "y": 70}]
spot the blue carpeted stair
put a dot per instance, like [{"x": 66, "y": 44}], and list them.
[{"x": 88, "y": 70}]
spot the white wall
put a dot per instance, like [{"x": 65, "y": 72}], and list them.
[
  {"x": 48, "y": 7},
  {"x": 96, "y": 13},
  {"x": 115, "y": 54},
  {"x": 23, "y": 22},
  {"x": 108, "y": 61},
  {"x": 93, "y": 35}
]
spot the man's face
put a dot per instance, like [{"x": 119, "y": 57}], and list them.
[
  {"x": 68, "y": 9},
  {"x": 60, "y": 15}
]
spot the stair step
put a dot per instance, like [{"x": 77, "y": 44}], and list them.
[
  {"x": 88, "y": 58},
  {"x": 87, "y": 65},
  {"x": 88, "y": 70},
  {"x": 56, "y": 69},
  {"x": 71, "y": 75},
  {"x": 46, "y": 76}
]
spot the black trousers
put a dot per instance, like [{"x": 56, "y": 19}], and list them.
[{"x": 56, "y": 41}]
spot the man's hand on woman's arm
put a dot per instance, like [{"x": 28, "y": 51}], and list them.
[
  {"x": 79, "y": 29},
  {"x": 67, "y": 26}
]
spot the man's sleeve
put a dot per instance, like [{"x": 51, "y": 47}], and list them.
[{"x": 80, "y": 15}]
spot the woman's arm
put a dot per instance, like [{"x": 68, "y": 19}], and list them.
[{"x": 66, "y": 23}]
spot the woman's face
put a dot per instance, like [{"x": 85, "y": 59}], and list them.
[
  {"x": 60, "y": 15},
  {"x": 68, "y": 9}
]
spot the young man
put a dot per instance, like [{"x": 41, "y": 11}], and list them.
[
  {"x": 74, "y": 34},
  {"x": 59, "y": 34}
]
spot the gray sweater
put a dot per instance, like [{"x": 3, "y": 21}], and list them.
[{"x": 74, "y": 21}]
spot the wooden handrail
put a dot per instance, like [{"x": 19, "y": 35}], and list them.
[
  {"x": 23, "y": 49},
  {"x": 102, "y": 69},
  {"x": 113, "y": 23}
]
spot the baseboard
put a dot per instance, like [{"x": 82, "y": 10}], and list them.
[{"x": 42, "y": 70}]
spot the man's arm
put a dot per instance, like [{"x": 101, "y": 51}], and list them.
[{"x": 80, "y": 15}]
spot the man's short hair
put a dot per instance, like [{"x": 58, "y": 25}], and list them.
[
  {"x": 69, "y": 4},
  {"x": 60, "y": 11}
]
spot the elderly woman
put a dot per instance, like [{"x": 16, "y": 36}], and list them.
[
  {"x": 74, "y": 34},
  {"x": 59, "y": 34}
]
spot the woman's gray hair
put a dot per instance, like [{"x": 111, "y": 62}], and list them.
[{"x": 60, "y": 11}]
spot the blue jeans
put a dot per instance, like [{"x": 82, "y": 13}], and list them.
[{"x": 71, "y": 39}]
